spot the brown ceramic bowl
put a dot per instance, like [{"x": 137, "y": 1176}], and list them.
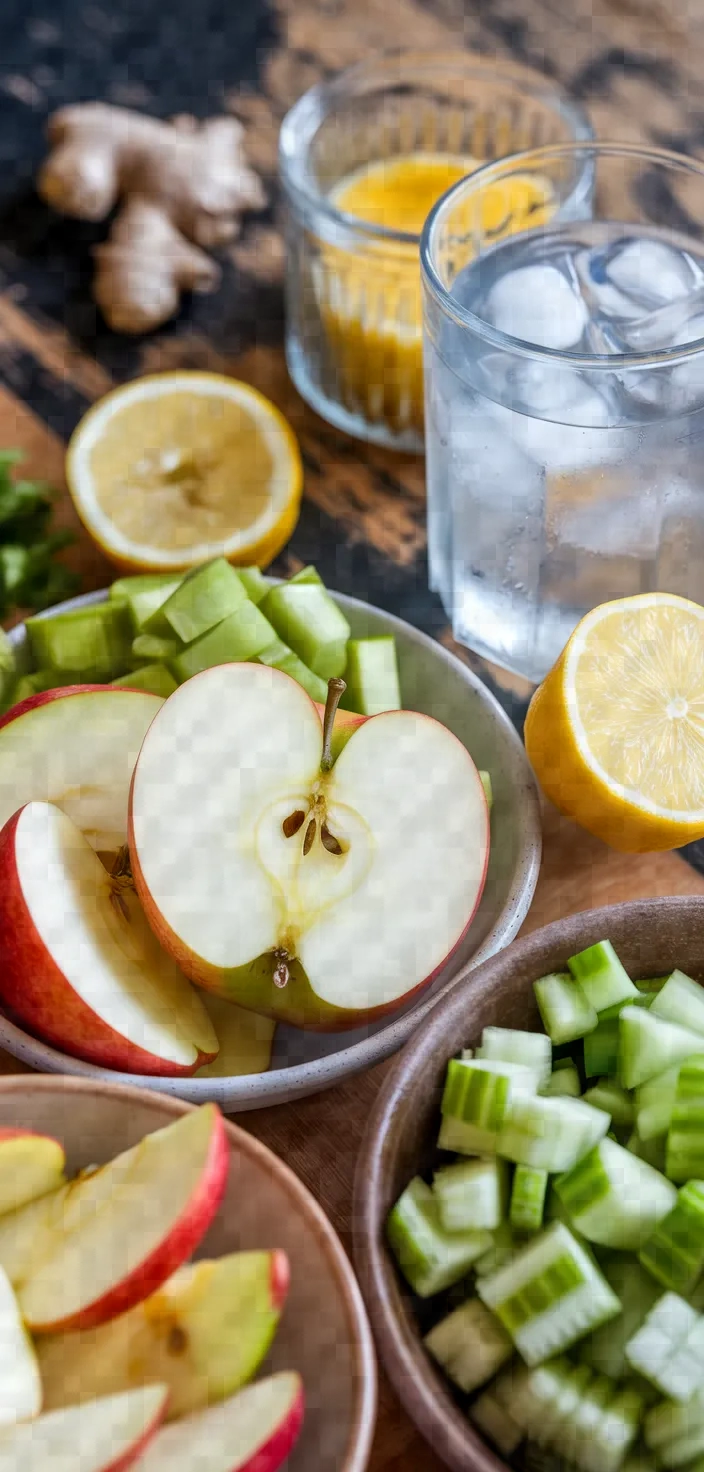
[
  {"x": 324, "y": 1332},
  {"x": 651, "y": 938}
]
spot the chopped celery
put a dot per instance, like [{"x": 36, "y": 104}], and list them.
[
  {"x": 142, "y": 595},
  {"x": 429, "y": 1257},
  {"x": 255, "y": 585},
  {"x": 155, "y": 678},
  {"x": 485, "y": 779},
  {"x": 648, "y": 1045},
  {"x": 681, "y": 1000},
  {"x": 278, "y": 657},
  {"x": 601, "y": 1049},
  {"x": 608, "y": 1095},
  {"x": 563, "y": 1007},
  {"x": 668, "y": 1349},
  {"x": 310, "y": 622},
  {"x": 614, "y": 1198},
  {"x": 549, "y": 1295},
  {"x": 508, "y": 1045},
  {"x": 655, "y": 1102},
  {"x": 471, "y": 1195},
  {"x": 685, "y": 1138},
  {"x": 601, "y": 976},
  {"x": 549, "y": 1133},
  {"x": 496, "y": 1422},
  {"x": 477, "y": 1093},
  {"x": 605, "y": 1349},
  {"x": 88, "y": 644},
  {"x": 470, "y": 1344},
  {"x": 203, "y": 599},
  {"x": 674, "y": 1254},
  {"x": 564, "y": 1081},
  {"x": 240, "y": 636},
  {"x": 307, "y": 574},
  {"x": 150, "y": 649},
  {"x": 528, "y": 1199},
  {"x": 371, "y": 675}
]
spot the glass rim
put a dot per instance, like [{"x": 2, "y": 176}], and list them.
[
  {"x": 521, "y": 347},
  {"x": 304, "y": 118}
]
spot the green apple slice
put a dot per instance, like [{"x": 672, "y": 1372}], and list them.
[{"x": 318, "y": 893}]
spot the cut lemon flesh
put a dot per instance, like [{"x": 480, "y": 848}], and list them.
[
  {"x": 616, "y": 731},
  {"x": 176, "y": 468}
]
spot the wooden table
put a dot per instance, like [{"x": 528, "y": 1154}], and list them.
[{"x": 638, "y": 67}]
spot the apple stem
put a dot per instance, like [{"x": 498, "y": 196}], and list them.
[{"x": 336, "y": 690}]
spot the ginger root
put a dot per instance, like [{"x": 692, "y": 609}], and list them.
[{"x": 179, "y": 186}]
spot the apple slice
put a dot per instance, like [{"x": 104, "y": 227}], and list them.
[
  {"x": 204, "y": 1334},
  {"x": 317, "y": 893},
  {"x": 245, "y": 1040},
  {"x": 76, "y": 747},
  {"x": 103, "y": 1436},
  {"x": 20, "y": 1385},
  {"x": 120, "y": 1232},
  {"x": 252, "y": 1432},
  {"x": 30, "y": 1166},
  {"x": 80, "y": 966}
]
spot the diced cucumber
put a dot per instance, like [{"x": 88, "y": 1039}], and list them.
[
  {"x": 471, "y": 1195},
  {"x": 307, "y": 574},
  {"x": 241, "y": 636},
  {"x": 429, "y": 1258},
  {"x": 681, "y": 1000},
  {"x": 87, "y": 643},
  {"x": 674, "y": 1254},
  {"x": 466, "y": 1054},
  {"x": 457, "y": 1137},
  {"x": 143, "y": 595},
  {"x": 477, "y": 1093},
  {"x": 545, "y": 1399},
  {"x": 601, "y": 1049},
  {"x": 485, "y": 779},
  {"x": 549, "y": 1133},
  {"x": 150, "y": 649},
  {"x": 155, "y": 678},
  {"x": 674, "y": 1432},
  {"x": 470, "y": 1344},
  {"x": 309, "y": 621},
  {"x": 685, "y": 1137},
  {"x": 550, "y": 1295},
  {"x": 587, "y": 1420},
  {"x": 509, "y": 1045},
  {"x": 668, "y": 1349},
  {"x": 650, "y": 985},
  {"x": 601, "y": 976},
  {"x": 8, "y": 671},
  {"x": 371, "y": 675},
  {"x": 614, "y": 1198},
  {"x": 564, "y": 1081},
  {"x": 608, "y": 1095},
  {"x": 279, "y": 657},
  {"x": 503, "y": 1248},
  {"x": 605, "y": 1349},
  {"x": 495, "y": 1423},
  {"x": 528, "y": 1199},
  {"x": 206, "y": 596},
  {"x": 255, "y": 585},
  {"x": 655, "y": 1102},
  {"x": 651, "y": 1151},
  {"x": 649, "y": 1045},
  {"x": 563, "y": 1007}
]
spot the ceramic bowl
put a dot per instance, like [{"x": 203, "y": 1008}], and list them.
[
  {"x": 324, "y": 1333},
  {"x": 433, "y": 681},
  {"x": 651, "y": 937}
]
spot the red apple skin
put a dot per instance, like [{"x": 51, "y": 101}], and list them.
[
  {"x": 169, "y": 1254},
  {"x": 45, "y": 697},
  {"x": 280, "y": 1278},
  {"x": 36, "y": 992},
  {"x": 274, "y": 1452}
]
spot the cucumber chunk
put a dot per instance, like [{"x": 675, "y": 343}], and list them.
[
  {"x": 309, "y": 621},
  {"x": 549, "y": 1133},
  {"x": 685, "y": 1137},
  {"x": 477, "y": 1094},
  {"x": 668, "y": 1349},
  {"x": 471, "y": 1195},
  {"x": 565, "y": 1010},
  {"x": 470, "y": 1344},
  {"x": 564, "y": 1081},
  {"x": 655, "y": 1102},
  {"x": 681, "y": 1000},
  {"x": 241, "y": 636},
  {"x": 528, "y": 1199},
  {"x": 154, "y": 678},
  {"x": 614, "y": 1198},
  {"x": 149, "y": 648},
  {"x": 143, "y": 595},
  {"x": 255, "y": 585},
  {"x": 307, "y": 574},
  {"x": 648, "y": 1045},
  {"x": 87, "y": 644},
  {"x": 206, "y": 596},
  {"x": 371, "y": 674},
  {"x": 279, "y": 657},
  {"x": 586, "y": 1419},
  {"x": 550, "y": 1295},
  {"x": 509, "y": 1045},
  {"x": 503, "y": 1249},
  {"x": 603, "y": 979},
  {"x": 651, "y": 1151},
  {"x": 674, "y": 1253},
  {"x": 496, "y": 1423},
  {"x": 601, "y": 1049},
  {"x": 429, "y": 1257},
  {"x": 674, "y": 1432},
  {"x": 605, "y": 1349},
  {"x": 608, "y": 1095}
]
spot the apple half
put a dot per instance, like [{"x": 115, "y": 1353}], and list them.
[
  {"x": 79, "y": 965},
  {"x": 322, "y": 894},
  {"x": 107, "y": 1435},
  {"x": 112, "y": 1237},
  {"x": 254, "y": 1431},
  {"x": 204, "y": 1334},
  {"x": 77, "y": 748},
  {"x": 31, "y": 1165}
]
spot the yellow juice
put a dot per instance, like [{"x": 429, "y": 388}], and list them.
[{"x": 370, "y": 300}]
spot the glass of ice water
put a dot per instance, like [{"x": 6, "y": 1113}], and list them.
[{"x": 564, "y": 396}]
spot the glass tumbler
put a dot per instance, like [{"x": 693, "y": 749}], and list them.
[
  {"x": 564, "y": 373},
  {"x": 353, "y": 299}
]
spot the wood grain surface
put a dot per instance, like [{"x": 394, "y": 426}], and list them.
[{"x": 637, "y": 66}]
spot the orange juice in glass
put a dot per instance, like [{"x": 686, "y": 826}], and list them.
[{"x": 363, "y": 161}]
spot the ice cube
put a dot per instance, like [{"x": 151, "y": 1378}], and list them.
[
  {"x": 651, "y": 272},
  {"x": 537, "y": 304},
  {"x": 666, "y": 327},
  {"x": 560, "y": 447},
  {"x": 604, "y": 299}
]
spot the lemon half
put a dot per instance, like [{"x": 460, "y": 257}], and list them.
[{"x": 177, "y": 468}]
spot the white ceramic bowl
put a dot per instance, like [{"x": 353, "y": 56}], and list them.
[{"x": 433, "y": 681}]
